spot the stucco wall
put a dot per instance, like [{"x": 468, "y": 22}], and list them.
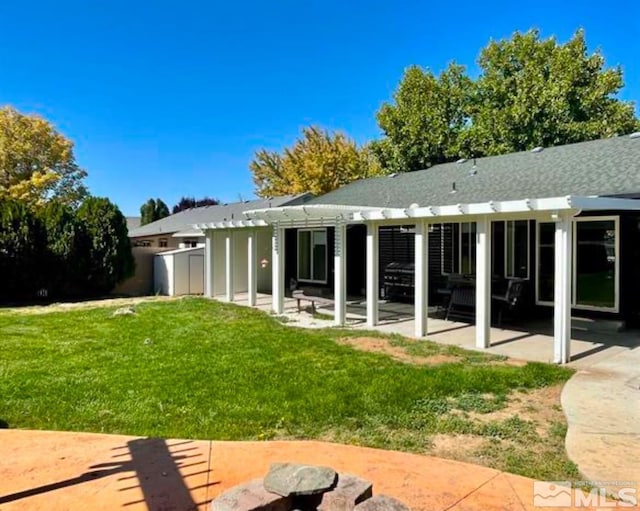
[
  {"x": 263, "y": 250},
  {"x": 141, "y": 283}
]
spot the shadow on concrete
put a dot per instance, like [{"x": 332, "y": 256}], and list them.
[{"x": 157, "y": 474}]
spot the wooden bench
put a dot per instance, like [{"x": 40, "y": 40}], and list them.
[{"x": 310, "y": 296}]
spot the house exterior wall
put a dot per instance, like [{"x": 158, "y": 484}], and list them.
[
  {"x": 263, "y": 253},
  {"x": 396, "y": 244},
  {"x": 240, "y": 260},
  {"x": 219, "y": 263},
  {"x": 291, "y": 261},
  {"x": 154, "y": 241},
  {"x": 630, "y": 269}
]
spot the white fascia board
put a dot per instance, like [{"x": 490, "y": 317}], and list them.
[
  {"x": 230, "y": 224},
  {"x": 482, "y": 208},
  {"x": 295, "y": 214},
  {"x": 196, "y": 233},
  {"x": 306, "y": 212}
]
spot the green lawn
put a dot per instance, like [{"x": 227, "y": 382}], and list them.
[{"x": 195, "y": 368}]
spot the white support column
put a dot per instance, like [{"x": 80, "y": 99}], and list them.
[
  {"x": 228, "y": 251},
  {"x": 422, "y": 278},
  {"x": 483, "y": 283},
  {"x": 252, "y": 268},
  {"x": 339, "y": 275},
  {"x": 208, "y": 264},
  {"x": 372, "y": 274},
  {"x": 277, "y": 269},
  {"x": 562, "y": 291}
]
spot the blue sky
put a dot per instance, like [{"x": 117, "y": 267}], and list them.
[{"x": 165, "y": 99}]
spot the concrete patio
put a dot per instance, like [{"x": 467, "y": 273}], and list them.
[
  {"x": 59, "y": 471},
  {"x": 592, "y": 341}
]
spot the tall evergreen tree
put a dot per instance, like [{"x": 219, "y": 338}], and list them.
[{"x": 152, "y": 210}]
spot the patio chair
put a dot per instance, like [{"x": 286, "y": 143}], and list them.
[
  {"x": 512, "y": 300},
  {"x": 462, "y": 304}
]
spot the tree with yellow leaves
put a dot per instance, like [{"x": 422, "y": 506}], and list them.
[
  {"x": 318, "y": 162},
  {"x": 36, "y": 161}
]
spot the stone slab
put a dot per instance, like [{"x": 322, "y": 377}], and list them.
[
  {"x": 299, "y": 479},
  {"x": 250, "y": 496}
]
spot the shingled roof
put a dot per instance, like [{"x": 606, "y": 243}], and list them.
[
  {"x": 607, "y": 167},
  {"x": 184, "y": 220}
]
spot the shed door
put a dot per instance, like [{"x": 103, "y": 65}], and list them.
[{"x": 196, "y": 275}]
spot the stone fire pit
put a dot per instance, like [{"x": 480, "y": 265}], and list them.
[{"x": 295, "y": 487}]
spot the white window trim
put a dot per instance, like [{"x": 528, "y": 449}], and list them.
[
  {"x": 574, "y": 280},
  {"x": 326, "y": 258},
  {"x": 513, "y": 252}
]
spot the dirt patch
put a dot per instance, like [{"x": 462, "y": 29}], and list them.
[
  {"x": 89, "y": 304},
  {"x": 378, "y": 345},
  {"x": 457, "y": 447},
  {"x": 540, "y": 406}
]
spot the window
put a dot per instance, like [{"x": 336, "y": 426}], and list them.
[
  {"x": 163, "y": 242},
  {"x": 312, "y": 255},
  {"x": 458, "y": 248},
  {"x": 468, "y": 248},
  {"x": 448, "y": 247},
  {"x": 517, "y": 249}
]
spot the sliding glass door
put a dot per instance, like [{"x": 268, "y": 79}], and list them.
[
  {"x": 595, "y": 273},
  {"x": 596, "y": 263}
]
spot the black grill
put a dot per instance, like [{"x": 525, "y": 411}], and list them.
[{"x": 399, "y": 281}]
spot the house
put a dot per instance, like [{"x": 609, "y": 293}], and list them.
[
  {"x": 171, "y": 232},
  {"x": 169, "y": 252},
  {"x": 563, "y": 222}
]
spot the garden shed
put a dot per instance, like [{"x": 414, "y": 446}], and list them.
[{"x": 179, "y": 272}]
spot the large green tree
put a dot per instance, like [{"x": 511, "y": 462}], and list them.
[
  {"x": 109, "y": 257},
  {"x": 68, "y": 250},
  {"x": 23, "y": 262},
  {"x": 318, "y": 162},
  {"x": 152, "y": 210},
  {"x": 36, "y": 161},
  {"x": 538, "y": 92},
  {"x": 425, "y": 120},
  {"x": 530, "y": 92}
]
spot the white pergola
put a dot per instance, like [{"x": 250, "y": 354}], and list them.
[{"x": 560, "y": 210}]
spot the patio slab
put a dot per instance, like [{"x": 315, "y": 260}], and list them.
[
  {"x": 54, "y": 471},
  {"x": 592, "y": 341},
  {"x": 602, "y": 405}
]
